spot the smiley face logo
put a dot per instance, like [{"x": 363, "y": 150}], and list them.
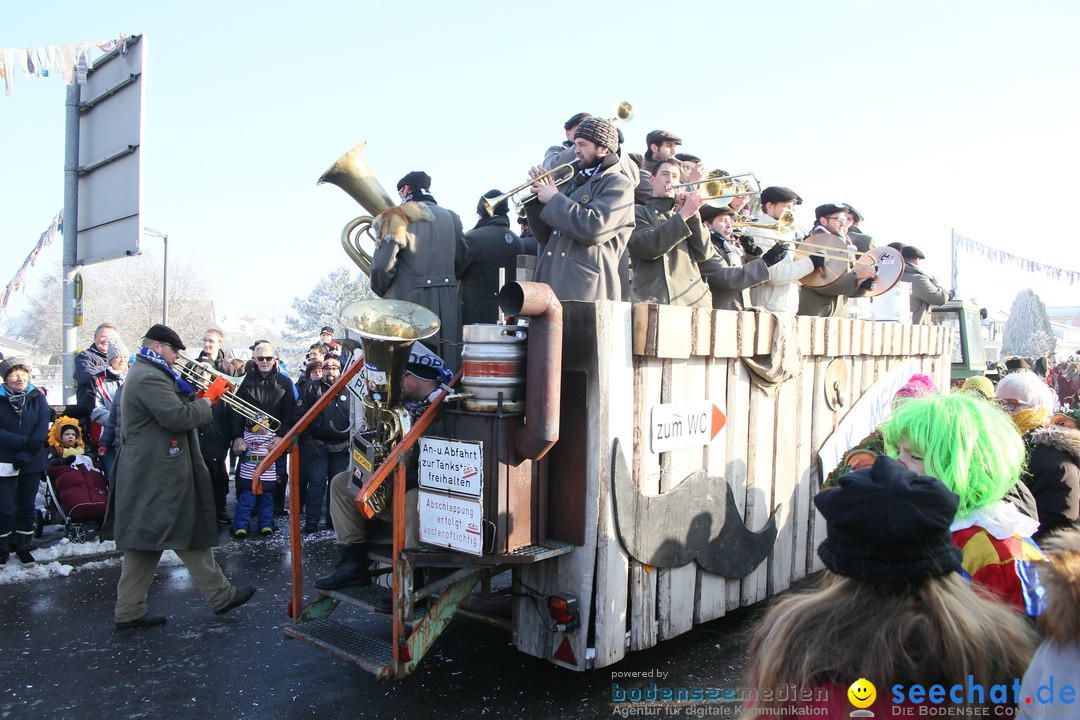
[{"x": 862, "y": 693}]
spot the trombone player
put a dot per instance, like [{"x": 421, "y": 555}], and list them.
[
  {"x": 583, "y": 233},
  {"x": 830, "y": 300}
]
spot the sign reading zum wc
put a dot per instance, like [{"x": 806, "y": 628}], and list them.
[
  {"x": 679, "y": 425},
  {"x": 454, "y": 466}
]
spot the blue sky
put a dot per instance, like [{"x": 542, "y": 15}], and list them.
[{"x": 926, "y": 116}]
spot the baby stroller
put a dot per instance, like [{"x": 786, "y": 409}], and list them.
[{"x": 76, "y": 491}]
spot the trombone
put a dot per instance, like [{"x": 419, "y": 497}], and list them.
[
  {"x": 216, "y": 385},
  {"x": 490, "y": 203},
  {"x": 720, "y": 188},
  {"x": 785, "y": 225}
]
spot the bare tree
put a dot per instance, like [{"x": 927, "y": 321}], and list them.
[{"x": 125, "y": 292}]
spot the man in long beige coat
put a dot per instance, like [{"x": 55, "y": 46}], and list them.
[{"x": 161, "y": 496}]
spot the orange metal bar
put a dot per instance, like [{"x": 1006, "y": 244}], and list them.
[
  {"x": 294, "y": 530},
  {"x": 398, "y": 581},
  {"x": 384, "y": 470},
  {"x": 294, "y": 432}
]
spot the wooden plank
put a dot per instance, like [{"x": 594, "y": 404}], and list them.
[
  {"x": 843, "y": 326},
  {"x": 645, "y": 469},
  {"x": 738, "y": 442},
  {"x": 759, "y": 482},
  {"x": 766, "y": 329},
  {"x": 785, "y": 480},
  {"x": 676, "y": 586},
  {"x": 711, "y": 600},
  {"x": 805, "y": 326},
  {"x": 725, "y": 333},
  {"x": 746, "y": 333},
  {"x": 642, "y": 346},
  {"x": 817, "y": 336},
  {"x": 612, "y": 560},
  {"x": 673, "y": 331},
  {"x": 802, "y": 509},
  {"x": 822, "y": 424},
  {"x": 701, "y": 332}
]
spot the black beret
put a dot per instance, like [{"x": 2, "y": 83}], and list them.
[
  {"x": 910, "y": 252},
  {"x": 165, "y": 334},
  {"x": 777, "y": 194},
  {"x": 829, "y": 209}
]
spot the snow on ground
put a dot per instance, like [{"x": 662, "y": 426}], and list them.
[{"x": 50, "y": 559}]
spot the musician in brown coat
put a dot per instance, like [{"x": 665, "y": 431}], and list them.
[{"x": 583, "y": 233}]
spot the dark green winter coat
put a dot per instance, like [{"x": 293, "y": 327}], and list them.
[{"x": 160, "y": 498}]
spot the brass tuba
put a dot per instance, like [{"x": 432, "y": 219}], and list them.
[
  {"x": 387, "y": 330},
  {"x": 351, "y": 174}
]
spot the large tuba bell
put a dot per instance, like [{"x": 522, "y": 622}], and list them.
[
  {"x": 387, "y": 329},
  {"x": 351, "y": 174}
]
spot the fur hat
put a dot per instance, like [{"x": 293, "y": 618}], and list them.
[
  {"x": 918, "y": 385},
  {"x": 599, "y": 131},
  {"x": 165, "y": 334},
  {"x": 885, "y": 522},
  {"x": 980, "y": 385},
  {"x": 116, "y": 349},
  {"x": 415, "y": 179},
  {"x": 12, "y": 363}
]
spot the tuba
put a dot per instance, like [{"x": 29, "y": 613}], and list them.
[
  {"x": 351, "y": 174},
  {"x": 388, "y": 329}
]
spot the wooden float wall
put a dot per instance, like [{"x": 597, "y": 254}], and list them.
[{"x": 636, "y": 357}]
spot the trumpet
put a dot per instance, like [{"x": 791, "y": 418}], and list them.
[
  {"x": 490, "y": 203},
  {"x": 624, "y": 112},
  {"x": 218, "y": 386}
]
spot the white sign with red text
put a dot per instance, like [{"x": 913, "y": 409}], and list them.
[
  {"x": 679, "y": 425},
  {"x": 451, "y": 522}
]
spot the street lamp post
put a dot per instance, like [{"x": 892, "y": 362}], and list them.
[{"x": 165, "y": 270}]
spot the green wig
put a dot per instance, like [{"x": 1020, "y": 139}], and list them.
[{"x": 969, "y": 444}]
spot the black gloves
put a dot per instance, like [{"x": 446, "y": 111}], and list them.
[
  {"x": 819, "y": 262},
  {"x": 867, "y": 284},
  {"x": 749, "y": 246},
  {"x": 775, "y": 254},
  {"x": 33, "y": 445}
]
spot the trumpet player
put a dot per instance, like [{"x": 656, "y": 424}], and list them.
[
  {"x": 831, "y": 300},
  {"x": 583, "y": 233},
  {"x": 670, "y": 249},
  {"x": 563, "y": 153}
]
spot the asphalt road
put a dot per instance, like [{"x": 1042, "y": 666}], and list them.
[{"x": 61, "y": 658}]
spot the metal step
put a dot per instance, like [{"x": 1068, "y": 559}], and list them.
[
  {"x": 434, "y": 557},
  {"x": 365, "y": 596},
  {"x": 370, "y": 653}
]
